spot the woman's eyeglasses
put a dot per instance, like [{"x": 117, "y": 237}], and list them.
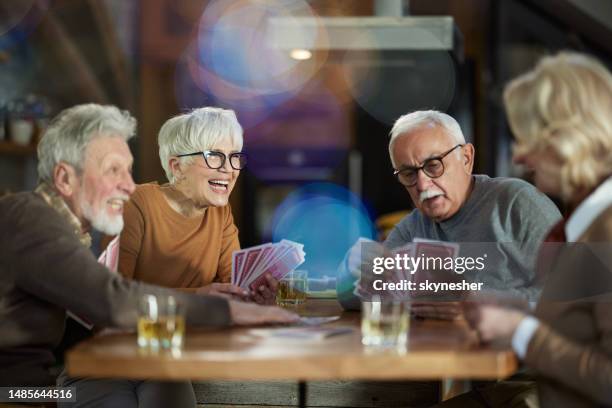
[{"x": 216, "y": 160}]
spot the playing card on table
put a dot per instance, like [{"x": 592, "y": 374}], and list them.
[{"x": 250, "y": 265}]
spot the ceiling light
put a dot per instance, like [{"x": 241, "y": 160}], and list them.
[{"x": 300, "y": 54}]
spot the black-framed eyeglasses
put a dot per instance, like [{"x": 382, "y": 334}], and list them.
[
  {"x": 216, "y": 160},
  {"x": 432, "y": 167}
]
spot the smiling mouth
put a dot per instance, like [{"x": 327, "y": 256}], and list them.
[
  {"x": 219, "y": 186},
  {"x": 116, "y": 204}
]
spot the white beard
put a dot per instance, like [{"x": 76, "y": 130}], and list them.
[{"x": 107, "y": 224}]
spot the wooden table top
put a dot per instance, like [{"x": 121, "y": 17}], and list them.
[{"x": 436, "y": 350}]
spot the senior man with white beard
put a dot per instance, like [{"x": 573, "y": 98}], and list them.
[
  {"x": 46, "y": 267},
  {"x": 508, "y": 216}
]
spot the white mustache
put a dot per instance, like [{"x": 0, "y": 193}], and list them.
[{"x": 427, "y": 194}]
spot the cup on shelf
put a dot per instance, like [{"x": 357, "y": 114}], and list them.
[{"x": 21, "y": 131}]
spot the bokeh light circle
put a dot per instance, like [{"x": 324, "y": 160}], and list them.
[
  {"x": 233, "y": 61},
  {"x": 327, "y": 219}
]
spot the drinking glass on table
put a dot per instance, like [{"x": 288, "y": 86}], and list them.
[
  {"x": 161, "y": 323},
  {"x": 385, "y": 323},
  {"x": 292, "y": 289}
]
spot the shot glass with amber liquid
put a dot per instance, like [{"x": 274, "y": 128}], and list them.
[
  {"x": 293, "y": 289},
  {"x": 161, "y": 323}
]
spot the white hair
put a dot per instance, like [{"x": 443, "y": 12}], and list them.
[
  {"x": 70, "y": 132},
  {"x": 419, "y": 119},
  {"x": 196, "y": 131}
]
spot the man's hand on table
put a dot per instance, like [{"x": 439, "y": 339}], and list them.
[
  {"x": 264, "y": 295},
  {"x": 226, "y": 290},
  {"x": 243, "y": 313},
  {"x": 436, "y": 310},
  {"x": 494, "y": 323}
]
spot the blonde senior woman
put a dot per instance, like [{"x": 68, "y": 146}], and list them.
[
  {"x": 182, "y": 234},
  {"x": 561, "y": 116}
]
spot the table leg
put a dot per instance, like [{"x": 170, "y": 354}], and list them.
[
  {"x": 302, "y": 394},
  {"x": 451, "y": 388}
]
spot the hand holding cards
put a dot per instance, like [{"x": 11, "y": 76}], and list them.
[
  {"x": 250, "y": 265},
  {"x": 405, "y": 272}
]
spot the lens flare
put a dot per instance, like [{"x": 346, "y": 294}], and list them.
[
  {"x": 300, "y": 54},
  {"x": 327, "y": 219},
  {"x": 233, "y": 63}
]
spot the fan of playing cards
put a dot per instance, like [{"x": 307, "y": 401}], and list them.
[{"x": 249, "y": 265}]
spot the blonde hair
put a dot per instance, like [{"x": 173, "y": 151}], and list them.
[{"x": 564, "y": 105}]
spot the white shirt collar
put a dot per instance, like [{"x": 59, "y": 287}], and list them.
[{"x": 588, "y": 211}]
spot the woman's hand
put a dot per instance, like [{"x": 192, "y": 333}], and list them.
[
  {"x": 226, "y": 290},
  {"x": 266, "y": 294}
]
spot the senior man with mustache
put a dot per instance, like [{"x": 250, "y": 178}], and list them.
[{"x": 508, "y": 216}]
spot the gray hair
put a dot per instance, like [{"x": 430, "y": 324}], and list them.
[
  {"x": 196, "y": 131},
  {"x": 69, "y": 133},
  {"x": 419, "y": 119}
]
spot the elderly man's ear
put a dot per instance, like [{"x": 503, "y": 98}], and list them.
[
  {"x": 468, "y": 157},
  {"x": 65, "y": 179}
]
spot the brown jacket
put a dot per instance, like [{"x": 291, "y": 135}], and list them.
[
  {"x": 44, "y": 271},
  {"x": 572, "y": 349}
]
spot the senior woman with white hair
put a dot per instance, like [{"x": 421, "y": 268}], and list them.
[
  {"x": 182, "y": 234},
  {"x": 561, "y": 116}
]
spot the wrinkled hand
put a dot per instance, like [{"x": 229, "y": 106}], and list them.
[
  {"x": 226, "y": 290},
  {"x": 494, "y": 323},
  {"x": 266, "y": 294},
  {"x": 437, "y": 310},
  {"x": 244, "y": 313}
]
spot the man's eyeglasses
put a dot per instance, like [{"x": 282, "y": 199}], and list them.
[
  {"x": 432, "y": 167},
  {"x": 216, "y": 160}
]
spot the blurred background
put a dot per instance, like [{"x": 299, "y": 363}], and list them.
[{"x": 316, "y": 85}]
